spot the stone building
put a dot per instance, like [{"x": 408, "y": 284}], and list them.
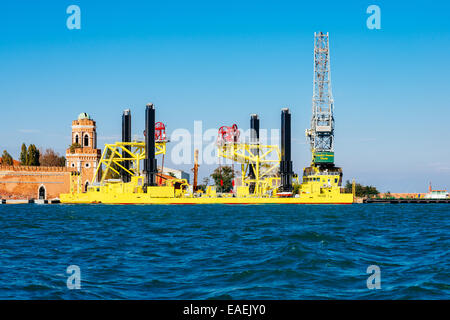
[
  {"x": 83, "y": 155},
  {"x": 28, "y": 182}
]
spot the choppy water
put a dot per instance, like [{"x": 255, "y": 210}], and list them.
[{"x": 224, "y": 251}]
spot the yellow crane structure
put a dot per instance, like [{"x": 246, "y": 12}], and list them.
[
  {"x": 120, "y": 152},
  {"x": 259, "y": 162},
  {"x": 114, "y": 158},
  {"x": 265, "y": 159}
]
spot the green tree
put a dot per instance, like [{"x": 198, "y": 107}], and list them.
[
  {"x": 23, "y": 155},
  {"x": 203, "y": 186},
  {"x": 111, "y": 174},
  {"x": 74, "y": 146},
  {"x": 7, "y": 159},
  {"x": 62, "y": 162},
  {"x": 223, "y": 178},
  {"x": 33, "y": 156},
  {"x": 295, "y": 188},
  {"x": 348, "y": 187},
  {"x": 370, "y": 191},
  {"x": 360, "y": 190}
]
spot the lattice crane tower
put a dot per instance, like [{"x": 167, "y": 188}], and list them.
[{"x": 321, "y": 134}]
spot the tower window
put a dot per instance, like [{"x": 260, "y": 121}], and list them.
[
  {"x": 86, "y": 140},
  {"x": 77, "y": 140}
]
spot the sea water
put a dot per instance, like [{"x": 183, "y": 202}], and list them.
[{"x": 225, "y": 251}]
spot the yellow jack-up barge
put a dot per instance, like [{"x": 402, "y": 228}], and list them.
[{"x": 267, "y": 176}]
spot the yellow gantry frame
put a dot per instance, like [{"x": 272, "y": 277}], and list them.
[
  {"x": 134, "y": 150},
  {"x": 256, "y": 155}
]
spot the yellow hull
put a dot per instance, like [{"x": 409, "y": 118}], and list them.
[
  {"x": 320, "y": 191},
  {"x": 143, "y": 198}
]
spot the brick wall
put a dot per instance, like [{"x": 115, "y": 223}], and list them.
[{"x": 23, "y": 182}]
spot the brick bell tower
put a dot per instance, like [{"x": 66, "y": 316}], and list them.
[{"x": 83, "y": 154}]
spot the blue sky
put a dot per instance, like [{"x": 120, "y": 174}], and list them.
[{"x": 219, "y": 61}]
